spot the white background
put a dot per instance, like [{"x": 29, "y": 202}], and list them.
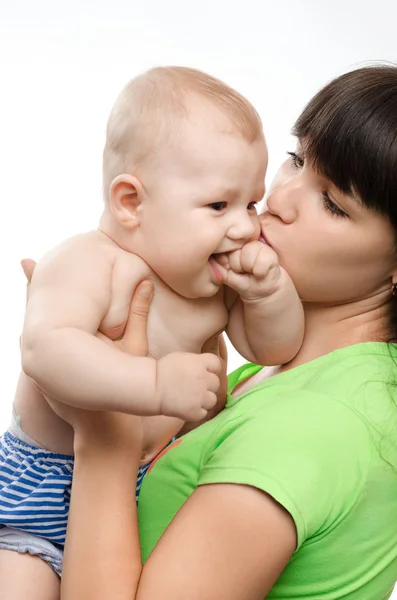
[{"x": 62, "y": 65}]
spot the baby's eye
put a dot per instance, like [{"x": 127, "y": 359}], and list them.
[
  {"x": 252, "y": 206},
  {"x": 218, "y": 205}
]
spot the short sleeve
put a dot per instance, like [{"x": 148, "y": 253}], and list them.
[{"x": 309, "y": 452}]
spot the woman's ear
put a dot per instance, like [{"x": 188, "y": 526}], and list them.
[{"x": 125, "y": 197}]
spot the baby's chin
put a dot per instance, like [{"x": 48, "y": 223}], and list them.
[{"x": 199, "y": 292}]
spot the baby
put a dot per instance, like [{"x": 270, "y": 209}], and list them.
[{"x": 184, "y": 165}]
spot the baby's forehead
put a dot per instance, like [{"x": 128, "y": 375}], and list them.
[
  {"x": 214, "y": 114},
  {"x": 209, "y": 148},
  {"x": 213, "y": 147}
]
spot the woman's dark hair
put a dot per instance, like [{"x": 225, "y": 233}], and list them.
[{"x": 349, "y": 132}]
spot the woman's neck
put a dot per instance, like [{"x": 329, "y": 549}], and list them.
[{"x": 329, "y": 328}]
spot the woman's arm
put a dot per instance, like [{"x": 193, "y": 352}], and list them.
[
  {"x": 227, "y": 541},
  {"x": 102, "y": 553}
]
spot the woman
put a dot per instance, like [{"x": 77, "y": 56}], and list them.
[{"x": 291, "y": 492}]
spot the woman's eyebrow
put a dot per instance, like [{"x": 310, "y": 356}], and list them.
[{"x": 349, "y": 196}]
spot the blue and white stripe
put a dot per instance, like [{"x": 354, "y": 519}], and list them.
[
  {"x": 34, "y": 489},
  {"x": 141, "y": 474}
]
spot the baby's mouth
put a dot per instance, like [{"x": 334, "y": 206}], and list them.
[{"x": 214, "y": 268}]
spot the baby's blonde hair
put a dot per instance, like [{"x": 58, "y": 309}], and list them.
[{"x": 149, "y": 108}]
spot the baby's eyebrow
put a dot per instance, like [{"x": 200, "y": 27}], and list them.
[{"x": 229, "y": 194}]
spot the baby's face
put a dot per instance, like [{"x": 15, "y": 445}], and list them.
[{"x": 201, "y": 200}]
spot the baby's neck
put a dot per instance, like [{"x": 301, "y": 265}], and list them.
[
  {"x": 333, "y": 327},
  {"x": 122, "y": 236}
]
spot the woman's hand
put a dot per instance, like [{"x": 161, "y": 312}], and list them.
[{"x": 215, "y": 345}]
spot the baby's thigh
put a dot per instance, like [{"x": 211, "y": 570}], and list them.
[{"x": 23, "y": 576}]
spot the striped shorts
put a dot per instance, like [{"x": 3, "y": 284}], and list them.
[{"x": 35, "y": 489}]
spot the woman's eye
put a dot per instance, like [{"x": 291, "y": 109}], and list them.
[
  {"x": 331, "y": 207},
  {"x": 218, "y": 205},
  {"x": 296, "y": 160}
]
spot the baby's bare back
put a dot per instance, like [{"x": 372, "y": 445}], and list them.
[{"x": 175, "y": 324}]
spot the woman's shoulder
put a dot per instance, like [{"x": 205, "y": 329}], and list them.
[
  {"x": 340, "y": 409},
  {"x": 299, "y": 413},
  {"x": 301, "y": 448},
  {"x": 345, "y": 398},
  {"x": 344, "y": 375},
  {"x": 312, "y": 440}
]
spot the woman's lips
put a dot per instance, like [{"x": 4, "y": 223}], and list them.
[{"x": 264, "y": 240}]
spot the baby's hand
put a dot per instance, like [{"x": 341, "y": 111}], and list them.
[
  {"x": 187, "y": 384},
  {"x": 253, "y": 272}
]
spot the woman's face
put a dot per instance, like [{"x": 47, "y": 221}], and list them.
[{"x": 334, "y": 249}]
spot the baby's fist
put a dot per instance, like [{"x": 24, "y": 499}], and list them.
[
  {"x": 253, "y": 271},
  {"x": 187, "y": 384}
]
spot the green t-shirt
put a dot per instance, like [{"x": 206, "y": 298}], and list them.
[{"x": 322, "y": 440}]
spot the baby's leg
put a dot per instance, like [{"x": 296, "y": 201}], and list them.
[{"x": 26, "y": 577}]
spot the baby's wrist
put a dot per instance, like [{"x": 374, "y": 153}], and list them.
[
  {"x": 260, "y": 298},
  {"x": 267, "y": 294}
]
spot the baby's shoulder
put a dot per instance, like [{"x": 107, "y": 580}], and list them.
[
  {"x": 95, "y": 248},
  {"x": 79, "y": 248},
  {"x": 127, "y": 271}
]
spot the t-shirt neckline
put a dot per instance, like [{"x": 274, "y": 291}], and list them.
[{"x": 250, "y": 369}]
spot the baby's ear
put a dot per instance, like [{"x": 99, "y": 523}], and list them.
[{"x": 125, "y": 194}]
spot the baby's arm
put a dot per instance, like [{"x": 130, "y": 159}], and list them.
[
  {"x": 69, "y": 297},
  {"x": 266, "y": 322},
  {"x": 159, "y": 430}
]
